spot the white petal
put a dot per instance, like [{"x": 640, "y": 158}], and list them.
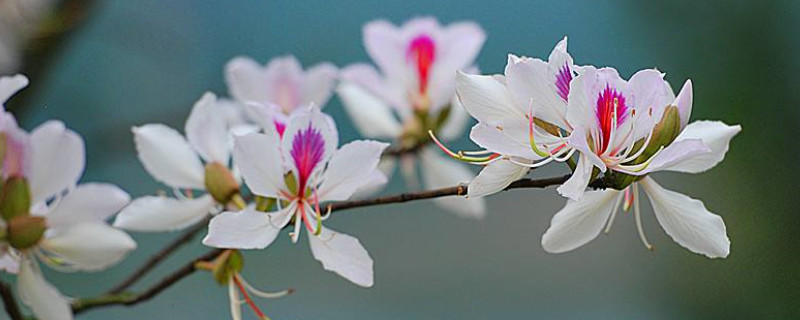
[
  {"x": 344, "y": 255},
  {"x": 167, "y": 157},
  {"x": 88, "y": 202},
  {"x": 684, "y": 103},
  {"x": 495, "y": 177},
  {"x": 284, "y": 81},
  {"x": 715, "y": 135},
  {"x": 246, "y": 229},
  {"x": 259, "y": 159},
  {"x": 44, "y": 299},
  {"x": 246, "y": 80},
  {"x": 532, "y": 84},
  {"x": 675, "y": 154},
  {"x": 438, "y": 172},
  {"x": 457, "y": 48},
  {"x": 207, "y": 131},
  {"x": 158, "y": 214},
  {"x": 372, "y": 117},
  {"x": 688, "y": 221},
  {"x": 58, "y": 160},
  {"x": 349, "y": 169},
  {"x": 365, "y": 76},
  {"x": 579, "y": 221},
  {"x": 89, "y": 246},
  {"x": 384, "y": 44},
  {"x": 485, "y": 98},
  {"x": 319, "y": 84},
  {"x": 508, "y": 137},
  {"x": 11, "y": 85},
  {"x": 575, "y": 186},
  {"x": 374, "y": 183}
]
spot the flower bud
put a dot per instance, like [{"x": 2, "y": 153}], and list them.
[
  {"x": 15, "y": 198},
  {"x": 25, "y": 231},
  {"x": 220, "y": 182},
  {"x": 226, "y": 265}
]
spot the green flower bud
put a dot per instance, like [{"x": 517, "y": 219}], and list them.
[
  {"x": 220, "y": 182},
  {"x": 15, "y": 198},
  {"x": 25, "y": 231},
  {"x": 226, "y": 265}
]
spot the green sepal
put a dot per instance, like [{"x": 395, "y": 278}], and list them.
[
  {"x": 227, "y": 264},
  {"x": 15, "y": 198},
  {"x": 25, "y": 231}
]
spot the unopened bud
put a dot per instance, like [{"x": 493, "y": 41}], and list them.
[
  {"x": 220, "y": 182},
  {"x": 15, "y": 198},
  {"x": 25, "y": 231},
  {"x": 226, "y": 265}
]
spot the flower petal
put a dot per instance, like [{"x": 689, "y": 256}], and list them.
[
  {"x": 246, "y": 229},
  {"x": 158, "y": 214},
  {"x": 88, "y": 246},
  {"x": 8, "y": 261},
  {"x": 319, "y": 81},
  {"x": 284, "y": 81},
  {"x": 58, "y": 160},
  {"x": 207, "y": 131},
  {"x": 385, "y": 45},
  {"x": 246, "y": 80},
  {"x": 508, "y": 137},
  {"x": 495, "y": 177},
  {"x": 44, "y": 300},
  {"x": 485, "y": 98},
  {"x": 370, "y": 80},
  {"x": 303, "y": 119},
  {"x": 575, "y": 186},
  {"x": 168, "y": 157},
  {"x": 688, "y": 221},
  {"x": 349, "y": 169},
  {"x": 10, "y": 85},
  {"x": 458, "y": 46},
  {"x": 344, "y": 255},
  {"x": 675, "y": 154},
  {"x": 531, "y": 83},
  {"x": 438, "y": 172},
  {"x": 684, "y": 103},
  {"x": 258, "y": 158},
  {"x": 371, "y": 116},
  {"x": 715, "y": 135},
  {"x": 88, "y": 202},
  {"x": 579, "y": 221}
]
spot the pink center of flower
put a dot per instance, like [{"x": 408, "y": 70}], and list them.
[
  {"x": 308, "y": 147},
  {"x": 563, "y": 78},
  {"x": 280, "y": 127},
  {"x": 422, "y": 52},
  {"x": 609, "y": 103}
]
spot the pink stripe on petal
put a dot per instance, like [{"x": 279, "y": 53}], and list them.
[
  {"x": 308, "y": 147},
  {"x": 563, "y": 78},
  {"x": 608, "y": 100}
]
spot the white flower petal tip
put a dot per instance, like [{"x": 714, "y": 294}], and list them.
[
  {"x": 494, "y": 178},
  {"x": 715, "y": 135},
  {"x": 247, "y": 229},
  {"x": 579, "y": 221},
  {"x": 90, "y": 246},
  {"x": 45, "y": 301},
  {"x": 371, "y": 116},
  {"x": 159, "y": 214},
  {"x": 350, "y": 168},
  {"x": 168, "y": 157},
  {"x": 10, "y": 85},
  {"x": 88, "y": 202},
  {"x": 687, "y": 221},
  {"x": 207, "y": 130},
  {"x": 51, "y": 141},
  {"x": 344, "y": 255}
]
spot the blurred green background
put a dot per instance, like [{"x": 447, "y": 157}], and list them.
[{"x": 135, "y": 62}]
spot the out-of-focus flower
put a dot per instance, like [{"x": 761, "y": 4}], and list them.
[
  {"x": 301, "y": 169},
  {"x": 47, "y": 215},
  {"x": 691, "y": 148},
  {"x": 416, "y": 83},
  {"x": 200, "y": 162},
  {"x": 19, "y": 19},
  {"x": 271, "y": 92}
]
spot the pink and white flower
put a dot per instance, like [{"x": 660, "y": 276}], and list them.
[
  {"x": 413, "y": 93},
  {"x": 47, "y": 215},
  {"x": 272, "y": 92},
  {"x": 200, "y": 162},
  {"x": 698, "y": 146},
  {"x": 301, "y": 169}
]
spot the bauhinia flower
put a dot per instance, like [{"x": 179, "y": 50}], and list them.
[
  {"x": 418, "y": 63},
  {"x": 691, "y": 148},
  {"x": 199, "y": 163},
  {"x": 270, "y": 93},
  {"x": 301, "y": 169},
  {"x": 45, "y": 215}
]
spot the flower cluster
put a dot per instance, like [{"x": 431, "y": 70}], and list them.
[{"x": 268, "y": 159}]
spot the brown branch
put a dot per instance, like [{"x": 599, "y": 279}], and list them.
[
  {"x": 10, "y": 303},
  {"x": 159, "y": 257},
  {"x": 129, "y": 299},
  {"x": 438, "y": 193}
]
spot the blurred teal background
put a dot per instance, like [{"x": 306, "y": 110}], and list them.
[{"x": 135, "y": 62}]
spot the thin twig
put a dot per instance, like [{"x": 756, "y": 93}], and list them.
[
  {"x": 10, "y": 303},
  {"x": 129, "y": 299},
  {"x": 159, "y": 257}
]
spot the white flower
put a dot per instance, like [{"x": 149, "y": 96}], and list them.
[
  {"x": 684, "y": 219},
  {"x": 416, "y": 84},
  {"x": 63, "y": 223},
  {"x": 200, "y": 162},
  {"x": 301, "y": 170}
]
